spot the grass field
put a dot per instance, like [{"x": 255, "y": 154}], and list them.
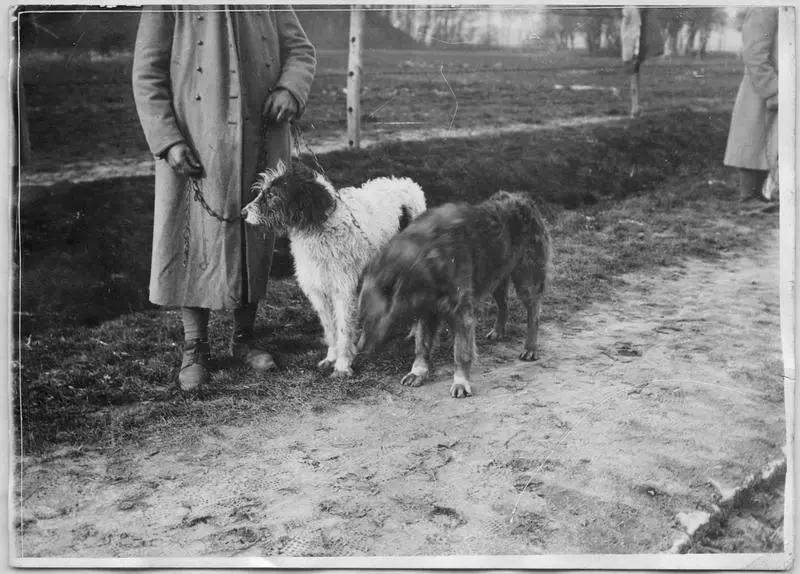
[
  {"x": 82, "y": 109},
  {"x": 97, "y": 363}
]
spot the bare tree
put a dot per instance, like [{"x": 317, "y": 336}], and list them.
[
  {"x": 599, "y": 26},
  {"x": 699, "y": 22}
]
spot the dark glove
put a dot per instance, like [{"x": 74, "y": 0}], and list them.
[
  {"x": 772, "y": 103},
  {"x": 280, "y": 106},
  {"x": 181, "y": 158}
]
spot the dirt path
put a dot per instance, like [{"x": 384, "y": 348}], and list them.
[{"x": 641, "y": 408}]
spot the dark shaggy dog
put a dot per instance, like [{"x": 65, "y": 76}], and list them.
[{"x": 442, "y": 263}]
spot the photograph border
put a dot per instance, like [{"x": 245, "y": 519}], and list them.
[{"x": 789, "y": 302}]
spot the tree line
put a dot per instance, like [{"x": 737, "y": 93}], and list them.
[{"x": 598, "y": 29}]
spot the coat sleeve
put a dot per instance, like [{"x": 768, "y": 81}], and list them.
[
  {"x": 298, "y": 58},
  {"x": 758, "y": 36},
  {"x": 152, "y": 89}
]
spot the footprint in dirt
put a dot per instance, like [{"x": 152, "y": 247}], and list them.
[
  {"x": 240, "y": 538},
  {"x": 446, "y": 517}
]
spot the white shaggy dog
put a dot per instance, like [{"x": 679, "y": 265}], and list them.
[{"x": 333, "y": 234}]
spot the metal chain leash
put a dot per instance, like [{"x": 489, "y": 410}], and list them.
[
  {"x": 297, "y": 134},
  {"x": 195, "y": 189}
]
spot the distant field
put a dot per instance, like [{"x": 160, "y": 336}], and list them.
[{"x": 81, "y": 109}]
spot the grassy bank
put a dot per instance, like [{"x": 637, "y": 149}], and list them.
[
  {"x": 82, "y": 108},
  {"x": 97, "y": 363}
]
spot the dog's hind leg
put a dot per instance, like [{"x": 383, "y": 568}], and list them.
[
  {"x": 463, "y": 349},
  {"x": 529, "y": 284},
  {"x": 501, "y": 298},
  {"x": 425, "y": 332}
]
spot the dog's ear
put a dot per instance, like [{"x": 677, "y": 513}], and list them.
[
  {"x": 310, "y": 200},
  {"x": 318, "y": 206}
]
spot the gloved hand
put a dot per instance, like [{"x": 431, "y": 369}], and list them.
[
  {"x": 280, "y": 106},
  {"x": 181, "y": 158},
  {"x": 772, "y": 103}
]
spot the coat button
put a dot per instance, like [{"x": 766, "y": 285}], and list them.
[
  {"x": 199, "y": 68},
  {"x": 200, "y": 18},
  {"x": 200, "y": 43},
  {"x": 197, "y": 97}
]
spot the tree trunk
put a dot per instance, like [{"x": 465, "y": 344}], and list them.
[
  {"x": 689, "y": 44},
  {"x": 703, "y": 44}
]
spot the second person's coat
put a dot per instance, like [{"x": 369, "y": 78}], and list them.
[{"x": 752, "y": 140}]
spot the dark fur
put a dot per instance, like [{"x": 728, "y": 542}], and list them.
[
  {"x": 404, "y": 219},
  {"x": 443, "y": 262},
  {"x": 295, "y": 200}
]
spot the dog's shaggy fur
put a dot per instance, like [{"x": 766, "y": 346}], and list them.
[
  {"x": 333, "y": 234},
  {"x": 442, "y": 263}
]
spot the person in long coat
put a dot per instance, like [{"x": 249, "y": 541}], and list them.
[
  {"x": 752, "y": 139},
  {"x": 203, "y": 77}
]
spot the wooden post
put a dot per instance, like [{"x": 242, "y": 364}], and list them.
[
  {"x": 354, "y": 78},
  {"x": 632, "y": 37},
  {"x": 635, "y": 109}
]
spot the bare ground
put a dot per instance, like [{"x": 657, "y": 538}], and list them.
[{"x": 641, "y": 408}]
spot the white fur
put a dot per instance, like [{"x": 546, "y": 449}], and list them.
[{"x": 330, "y": 258}]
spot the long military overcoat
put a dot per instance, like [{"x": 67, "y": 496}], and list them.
[
  {"x": 752, "y": 139},
  {"x": 201, "y": 75}
]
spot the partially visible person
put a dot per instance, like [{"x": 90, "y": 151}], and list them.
[
  {"x": 202, "y": 80},
  {"x": 752, "y": 139}
]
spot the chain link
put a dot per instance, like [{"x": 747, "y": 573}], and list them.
[
  {"x": 197, "y": 194},
  {"x": 196, "y": 191},
  {"x": 298, "y": 138}
]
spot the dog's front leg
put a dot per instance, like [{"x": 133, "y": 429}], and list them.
[
  {"x": 324, "y": 307},
  {"x": 344, "y": 312},
  {"x": 425, "y": 333},
  {"x": 463, "y": 349}
]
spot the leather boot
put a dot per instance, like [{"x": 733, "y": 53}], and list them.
[
  {"x": 244, "y": 348},
  {"x": 195, "y": 365}
]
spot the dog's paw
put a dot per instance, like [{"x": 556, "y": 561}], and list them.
[
  {"x": 460, "y": 389},
  {"x": 325, "y": 364},
  {"x": 528, "y": 355},
  {"x": 342, "y": 373},
  {"x": 413, "y": 379},
  {"x": 494, "y": 335}
]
